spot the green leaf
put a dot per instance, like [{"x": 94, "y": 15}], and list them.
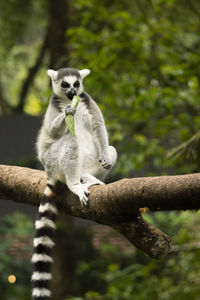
[{"x": 69, "y": 120}]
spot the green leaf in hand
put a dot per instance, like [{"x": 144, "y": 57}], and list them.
[{"x": 69, "y": 120}]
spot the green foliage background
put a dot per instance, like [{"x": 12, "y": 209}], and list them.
[
  {"x": 16, "y": 232},
  {"x": 144, "y": 58},
  {"x": 145, "y": 63},
  {"x": 142, "y": 55}
]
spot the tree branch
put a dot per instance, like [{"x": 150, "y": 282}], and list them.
[{"x": 116, "y": 204}]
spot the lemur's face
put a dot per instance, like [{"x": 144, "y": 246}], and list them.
[
  {"x": 67, "y": 83},
  {"x": 71, "y": 86}
]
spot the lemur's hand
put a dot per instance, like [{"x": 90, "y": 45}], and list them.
[
  {"x": 69, "y": 110},
  {"x": 105, "y": 161}
]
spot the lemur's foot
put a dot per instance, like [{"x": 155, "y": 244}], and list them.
[
  {"x": 81, "y": 191},
  {"x": 89, "y": 180}
]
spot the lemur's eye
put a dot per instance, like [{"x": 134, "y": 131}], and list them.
[
  {"x": 65, "y": 85},
  {"x": 76, "y": 84}
]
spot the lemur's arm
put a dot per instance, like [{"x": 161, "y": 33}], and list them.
[
  {"x": 100, "y": 136},
  {"x": 57, "y": 127},
  {"x": 55, "y": 120}
]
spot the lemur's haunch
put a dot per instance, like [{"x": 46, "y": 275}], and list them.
[{"x": 78, "y": 161}]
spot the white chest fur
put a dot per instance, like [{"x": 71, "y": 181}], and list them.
[{"x": 84, "y": 132}]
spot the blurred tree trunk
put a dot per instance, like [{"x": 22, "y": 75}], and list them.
[
  {"x": 55, "y": 43},
  {"x": 32, "y": 72},
  {"x": 5, "y": 108},
  {"x": 64, "y": 260},
  {"x": 59, "y": 56},
  {"x": 59, "y": 22}
]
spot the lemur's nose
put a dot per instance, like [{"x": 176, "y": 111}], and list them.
[{"x": 71, "y": 93}]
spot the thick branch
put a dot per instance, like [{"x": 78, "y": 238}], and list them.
[{"x": 116, "y": 204}]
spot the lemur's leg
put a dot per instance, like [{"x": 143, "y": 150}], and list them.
[
  {"x": 98, "y": 171},
  {"x": 71, "y": 165},
  {"x": 101, "y": 172}
]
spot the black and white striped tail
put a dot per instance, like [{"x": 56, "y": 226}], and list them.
[{"x": 41, "y": 259}]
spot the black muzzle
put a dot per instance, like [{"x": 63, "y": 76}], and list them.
[{"x": 71, "y": 94}]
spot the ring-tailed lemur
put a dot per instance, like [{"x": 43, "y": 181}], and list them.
[{"x": 78, "y": 161}]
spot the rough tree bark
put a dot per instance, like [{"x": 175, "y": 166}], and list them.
[{"x": 116, "y": 204}]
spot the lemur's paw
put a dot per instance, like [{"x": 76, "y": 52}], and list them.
[
  {"x": 82, "y": 192},
  {"x": 105, "y": 161},
  {"x": 106, "y": 164},
  {"x": 69, "y": 110}
]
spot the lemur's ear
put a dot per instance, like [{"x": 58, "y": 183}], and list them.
[
  {"x": 53, "y": 74},
  {"x": 84, "y": 73}
]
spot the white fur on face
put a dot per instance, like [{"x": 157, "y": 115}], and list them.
[
  {"x": 57, "y": 88},
  {"x": 70, "y": 79},
  {"x": 56, "y": 85}
]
